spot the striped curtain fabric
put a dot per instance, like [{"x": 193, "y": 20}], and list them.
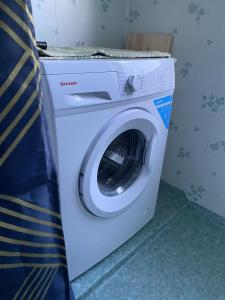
[{"x": 32, "y": 253}]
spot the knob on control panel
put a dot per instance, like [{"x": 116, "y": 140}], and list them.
[{"x": 135, "y": 83}]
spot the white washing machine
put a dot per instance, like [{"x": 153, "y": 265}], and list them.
[{"x": 108, "y": 121}]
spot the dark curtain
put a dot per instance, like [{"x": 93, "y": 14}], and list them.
[{"x": 32, "y": 252}]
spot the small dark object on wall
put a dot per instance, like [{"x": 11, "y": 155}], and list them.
[{"x": 42, "y": 45}]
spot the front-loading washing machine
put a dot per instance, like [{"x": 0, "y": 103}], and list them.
[{"x": 108, "y": 122}]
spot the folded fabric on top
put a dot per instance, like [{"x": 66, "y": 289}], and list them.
[{"x": 95, "y": 53}]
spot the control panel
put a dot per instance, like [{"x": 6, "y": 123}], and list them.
[{"x": 145, "y": 84}]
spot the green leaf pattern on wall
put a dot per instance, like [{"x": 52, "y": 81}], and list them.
[
  {"x": 196, "y": 10},
  {"x": 133, "y": 16},
  {"x": 175, "y": 30},
  {"x": 196, "y": 129},
  {"x": 209, "y": 42},
  {"x": 212, "y": 102},
  {"x": 182, "y": 153},
  {"x": 185, "y": 70},
  {"x": 218, "y": 146},
  {"x": 105, "y": 5},
  {"x": 196, "y": 192}
]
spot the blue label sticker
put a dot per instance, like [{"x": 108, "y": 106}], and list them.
[
  {"x": 164, "y": 100},
  {"x": 164, "y": 107},
  {"x": 165, "y": 113}
]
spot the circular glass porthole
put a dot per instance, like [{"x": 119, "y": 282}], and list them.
[{"x": 121, "y": 162}]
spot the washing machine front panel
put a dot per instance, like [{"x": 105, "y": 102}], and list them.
[{"x": 119, "y": 163}]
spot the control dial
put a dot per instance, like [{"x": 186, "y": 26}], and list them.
[{"x": 135, "y": 83}]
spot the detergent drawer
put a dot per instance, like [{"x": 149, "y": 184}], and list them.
[{"x": 66, "y": 91}]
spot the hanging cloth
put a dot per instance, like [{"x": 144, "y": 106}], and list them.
[{"x": 32, "y": 251}]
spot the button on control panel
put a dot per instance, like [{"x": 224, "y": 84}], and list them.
[
  {"x": 135, "y": 83},
  {"x": 162, "y": 82},
  {"x": 131, "y": 85}
]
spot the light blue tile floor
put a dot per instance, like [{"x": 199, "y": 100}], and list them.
[{"x": 180, "y": 254}]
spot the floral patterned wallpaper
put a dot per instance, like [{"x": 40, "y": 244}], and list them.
[
  {"x": 80, "y": 22},
  {"x": 195, "y": 157}
]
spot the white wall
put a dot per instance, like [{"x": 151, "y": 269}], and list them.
[
  {"x": 195, "y": 158},
  {"x": 79, "y": 22}
]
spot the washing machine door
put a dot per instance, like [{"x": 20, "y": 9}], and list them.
[{"x": 119, "y": 163}]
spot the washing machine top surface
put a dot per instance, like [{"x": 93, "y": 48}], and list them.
[{"x": 55, "y": 66}]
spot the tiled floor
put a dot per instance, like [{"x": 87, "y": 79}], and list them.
[{"x": 180, "y": 254}]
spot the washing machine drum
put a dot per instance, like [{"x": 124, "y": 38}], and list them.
[
  {"x": 119, "y": 163},
  {"x": 122, "y": 162}
]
